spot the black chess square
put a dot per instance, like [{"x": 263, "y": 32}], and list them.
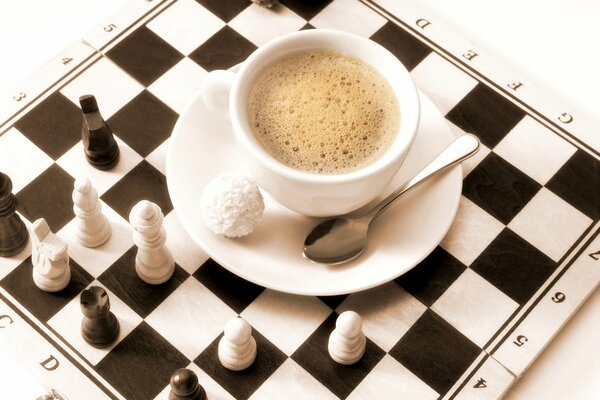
[
  {"x": 306, "y": 8},
  {"x": 499, "y": 188},
  {"x": 307, "y": 26},
  {"x": 122, "y": 279},
  {"x": 54, "y": 125},
  {"x": 487, "y": 114},
  {"x": 430, "y": 279},
  {"x": 514, "y": 266},
  {"x": 435, "y": 352},
  {"x": 410, "y": 50},
  {"x": 578, "y": 183},
  {"x": 223, "y": 50},
  {"x": 241, "y": 384},
  {"x": 144, "y": 123},
  {"x": 333, "y": 301},
  {"x": 144, "y": 182},
  {"x": 236, "y": 292},
  {"x": 314, "y": 357},
  {"x": 48, "y": 196},
  {"x": 144, "y": 55},
  {"x": 43, "y": 305},
  {"x": 225, "y": 9},
  {"x": 140, "y": 366}
]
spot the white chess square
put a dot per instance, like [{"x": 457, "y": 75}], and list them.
[
  {"x": 550, "y": 224},
  {"x": 191, "y": 318},
  {"x": 535, "y": 149},
  {"x": 10, "y": 263},
  {"x": 295, "y": 382},
  {"x": 272, "y": 22},
  {"x": 111, "y": 86},
  {"x": 177, "y": 86},
  {"x": 350, "y": 16},
  {"x": 214, "y": 391},
  {"x": 443, "y": 82},
  {"x": 470, "y": 163},
  {"x": 20, "y": 159},
  {"x": 287, "y": 320},
  {"x": 158, "y": 157},
  {"x": 471, "y": 232},
  {"x": 475, "y": 307},
  {"x": 75, "y": 163},
  {"x": 97, "y": 260},
  {"x": 388, "y": 379},
  {"x": 185, "y": 25},
  {"x": 187, "y": 253},
  {"x": 67, "y": 322},
  {"x": 388, "y": 312}
]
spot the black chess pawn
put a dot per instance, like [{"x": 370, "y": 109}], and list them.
[
  {"x": 101, "y": 149},
  {"x": 99, "y": 326},
  {"x": 13, "y": 232},
  {"x": 185, "y": 386}
]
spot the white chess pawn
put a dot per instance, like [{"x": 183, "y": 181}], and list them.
[
  {"x": 347, "y": 342},
  {"x": 51, "y": 271},
  {"x": 92, "y": 227},
  {"x": 154, "y": 262},
  {"x": 237, "y": 347}
]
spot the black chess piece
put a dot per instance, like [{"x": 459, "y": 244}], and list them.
[
  {"x": 101, "y": 149},
  {"x": 185, "y": 386},
  {"x": 13, "y": 232},
  {"x": 99, "y": 326}
]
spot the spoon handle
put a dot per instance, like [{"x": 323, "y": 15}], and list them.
[{"x": 460, "y": 149}]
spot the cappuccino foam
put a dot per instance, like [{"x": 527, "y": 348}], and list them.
[{"x": 323, "y": 111}]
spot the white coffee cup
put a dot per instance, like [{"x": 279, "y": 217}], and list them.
[{"x": 226, "y": 93}]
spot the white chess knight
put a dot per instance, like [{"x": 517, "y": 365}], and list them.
[
  {"x": 237, "y": 347},
  {"x": 51, "y": 271},
  {"x": 154, "y": 262},
  {"x": 92, "y": 227},
  {"x": 347, "y": 342}
]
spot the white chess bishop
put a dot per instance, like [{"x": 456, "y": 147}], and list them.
[
  {"x": 347, "y": 342},
  {"x": 51, "y": 271},
  {"x": 154, "y": 262},
  {"x": 237, "y": 347},
  {"x": 92, "y": 227}
]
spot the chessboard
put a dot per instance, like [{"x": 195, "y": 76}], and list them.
[{"x": 521, "y": 256}]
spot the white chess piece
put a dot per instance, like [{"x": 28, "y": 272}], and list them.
[
  {"x": 154, "y": 262},
  {"x": 237, "y": 347},
  {"x": 51, "y": 271},
  {"x": 92, "y": 227},
  {"x": 347, "y": 342}
]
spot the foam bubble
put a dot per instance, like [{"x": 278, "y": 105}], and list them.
[{"x": 323, "y": 111}]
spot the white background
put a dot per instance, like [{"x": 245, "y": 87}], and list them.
[{"x": 554, "y": 43}]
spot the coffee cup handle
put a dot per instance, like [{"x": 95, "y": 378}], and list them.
[{"x": 215, "y": 89}]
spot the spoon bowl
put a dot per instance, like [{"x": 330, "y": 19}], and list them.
[{"x": 347, "y": 234}]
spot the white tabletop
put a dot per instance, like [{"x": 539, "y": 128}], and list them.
[{"x": 554, "y": 44}]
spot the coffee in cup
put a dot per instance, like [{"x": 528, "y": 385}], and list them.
[{"x": 323, "y": 111}]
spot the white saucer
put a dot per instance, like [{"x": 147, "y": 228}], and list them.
[{"x": 203, "y": 146}]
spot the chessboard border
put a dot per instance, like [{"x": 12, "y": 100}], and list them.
[{"x": 505, "y": 331}]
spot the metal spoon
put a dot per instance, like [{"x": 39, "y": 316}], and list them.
[{"x": 341, "y": 239}]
